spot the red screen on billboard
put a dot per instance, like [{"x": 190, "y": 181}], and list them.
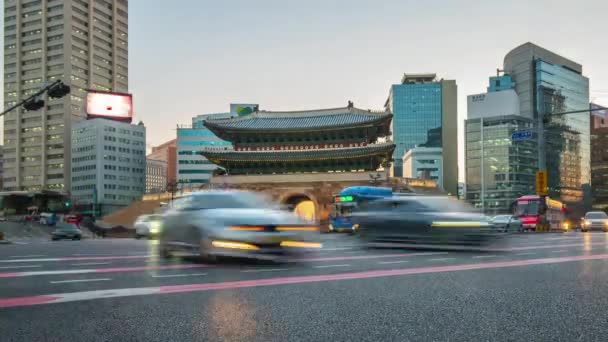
[{"x": 112, "y": 106}]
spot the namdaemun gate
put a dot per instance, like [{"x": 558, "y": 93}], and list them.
[{"x": 346, "y": 139}]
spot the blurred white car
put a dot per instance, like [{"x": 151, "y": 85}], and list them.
[{"x": 148, "y": 226}]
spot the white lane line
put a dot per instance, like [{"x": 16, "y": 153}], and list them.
[
  {"x": 265, "y": 270},
  {"x": 483, "y": 256},
  {"x": 441, "y": 259},
  {"x": 91, "y": 263},
  {"x": 24, "y": 266},
  {"x": 328, "y": 266},
  {"x": 178, "y": 275},
  {"x": 336, "y": 249},
  {"x": 78, "y": 280},
  {"x": 525, "y": 253},
  {"x": 27, "y": 256},
  {"x": 559, "y": 251},
  {"x": 392, "y": 262}
]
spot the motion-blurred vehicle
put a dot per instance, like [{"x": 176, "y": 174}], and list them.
[
  {"x": 235, "y": 224},
  {"x": 65, "y": 231},
  {"x": 72, "y": 219},
  {"x": 348, "y": 200},
  {"x": 595, "y": 220},
  {"x": 540, "y": 213},
  {"x": 147, "y": 226},
  {"x": 47, "y": 219},
  {"x": 506, "y": 223},
  {"x": 422, "y": 221}
]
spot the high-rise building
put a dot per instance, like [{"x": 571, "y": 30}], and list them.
[
  {"x": 425, "y": 114},
  {"x": 166, "y": 152},
  {"x": 1, "y": 163},
  {"x": 599, "y": 159},
  {"x": 81, "y": 42},
  {"x": 194, "y": 170},
  {"x": 547, "y": 83},
  {"x": 108, "y": 164},
  {"x": 156, "y": 176},
  {"x": 498, "y": 169}
]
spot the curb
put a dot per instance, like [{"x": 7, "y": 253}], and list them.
[{"x": 5, "y": 242}]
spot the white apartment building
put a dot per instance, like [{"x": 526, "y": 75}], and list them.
[
  {"x": 108, "y": 164},
  {"x": 424, "y": 163},
  {"x": 81, "y": 42}
]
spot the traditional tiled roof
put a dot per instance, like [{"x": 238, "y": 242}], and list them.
[
  {"x": 216, "y": 156},
  {"x": 299, "y": 120}
]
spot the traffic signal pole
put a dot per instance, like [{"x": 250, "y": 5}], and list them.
[{"x": 58, "y": 83}]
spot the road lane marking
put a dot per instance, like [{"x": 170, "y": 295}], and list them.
[
  {"x": 178, "y": 275},
  {"x": 121, "y": 257},
  {"x": 441, "y": 259},
  {"x": 91, "y": 263},
  {"x": 27, "y": 256},
  {"x": 265, "y": 270},
  {"x": 375, "y": 256},
  {"x": 525, "y": 253},
  {"x": 393, "y": 262},
  {"x": 78, "y": 280},
  {"x": 20, "y": 266},
  {"x": 484, "y": 256},
  {"x": 200, "y": 287},
  {"x": 559, "y": 251},
  {"x": 336, "y": 249},
  {"x": 328, "y": 266},
  {"x": 100, "y": 270}
]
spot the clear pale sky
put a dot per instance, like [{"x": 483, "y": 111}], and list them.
[{"x": 190, "y": 57}]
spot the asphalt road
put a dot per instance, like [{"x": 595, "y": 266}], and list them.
[{"x": 536, "y": 287}]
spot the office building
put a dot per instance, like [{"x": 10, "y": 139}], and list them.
[
  {"x": 108, "y": 164},
  {"x": 425, "y": 115},
  {"x": 166, "y": 152},
  {"x": 599, "y": 159},
  {"x": 506, "y": 170},
  {"x": 156, "y": 176},
  {"x": 194, "y": 170},
  {"x": 547, "y": 83},
  {"x": 424, "y": 163},
  {"x": 81, "y": 42}
]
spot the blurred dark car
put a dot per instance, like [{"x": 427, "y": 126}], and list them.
[
  {"x": 422, "y": 220},
  {"x": 66, "y": 231},
  {"x": 235, "y": 224}
]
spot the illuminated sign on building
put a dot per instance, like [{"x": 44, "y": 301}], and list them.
[{"x": 112, "y": 106}]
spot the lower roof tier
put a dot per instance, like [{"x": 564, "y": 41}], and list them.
[{"x": 367, "y": 158}]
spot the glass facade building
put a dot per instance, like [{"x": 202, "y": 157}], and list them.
[
  {"x": 508, "y": 166},
  {"x": 567, "y": 137},
  {"x": 425, "y": 115},
  {"x": 549, "y": 83},
  {"x": 194, "y": 170}
]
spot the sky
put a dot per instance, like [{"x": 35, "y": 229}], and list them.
[{"x": 190, "y": 57}]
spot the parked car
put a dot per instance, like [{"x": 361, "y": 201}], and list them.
[
  {"x": 65, "y": 231},
  {"x": 47, "y": 219},
  {"x": 595, "y": 220},
  {"x": 147, "y": 226},
  {"x": 235, "y": 224}
]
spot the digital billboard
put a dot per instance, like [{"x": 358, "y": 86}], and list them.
[
  {"x": 108, "y": 105},
  {"x": 241, "y": 109}
]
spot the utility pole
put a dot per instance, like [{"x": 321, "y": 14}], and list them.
[{"x": 483, "y": 176}]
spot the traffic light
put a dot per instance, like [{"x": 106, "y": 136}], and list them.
[
  {"x": 33, "y": 104},
  {"x": 58, "y": 90},
  {"x": 67, "y": 204}
]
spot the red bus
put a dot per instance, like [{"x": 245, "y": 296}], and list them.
[{"x": 537, "y": 214}]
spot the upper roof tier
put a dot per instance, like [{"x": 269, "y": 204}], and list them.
[{"x": 300, "y": 121}]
